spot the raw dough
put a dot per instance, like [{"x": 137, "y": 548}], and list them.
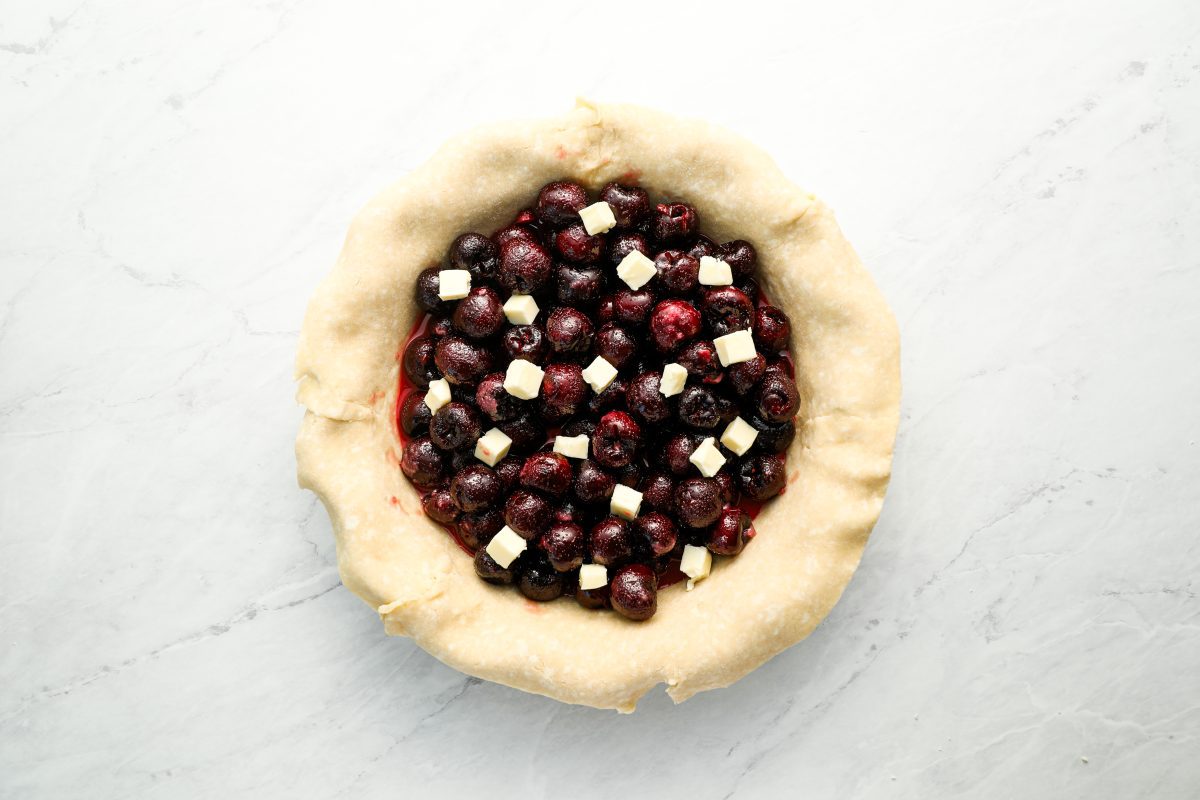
[{"x": 810, "y": 539}]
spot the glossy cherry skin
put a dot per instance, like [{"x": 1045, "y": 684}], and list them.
[
  {"x": 761, "y": 476},
  {"x": 560, "y": 202},
  {"x": 730, "y": 532},
  {"x": 565, "y": 545},
  {"x": 697, "y": 502},
  {"x": 617, "y": 440},
  {"x": 610, "y": 542},
  {"x": 634, "y": 592},
  {"x": 547, "y": 472}
]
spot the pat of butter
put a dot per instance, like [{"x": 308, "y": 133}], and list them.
[
  {"x": 625, "y": 502},
  {"x": 599, "y": 374},
  {"x": 523, "y": 379},
  {"x": 572, "y": 446},
  {"x": 739, "y": 435},
  {"x": 734, "y": 348},
  {"x": 696, "y": 564},
  {"x": 492, "y": 446},
  {"x": 438, "y": 394},
  {"x": 597, "y": 218},
  {"x": 714, "y": 272},
  {"x": 505, "y": 546},
  {"x": 520, "y": 309},
  {"x": 674, "y": 377},
  {"x": 636, "y": 270},
  {"x": 593, "y": 576},
  {"x": 707, "y": 458},
  {"x": 454, "y": 284}
]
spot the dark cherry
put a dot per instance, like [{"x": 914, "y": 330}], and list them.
[
  {"x": 583, "y": 425},
  {"x": 414, "y": 414},
  {"x": 676, "y": 451},
  {"x": 423, "y": 463},
  {"x": 728, "y": 486},
  {"x": 701, "y": 407},
  {"x": 518, "y": 230},
  {"x": 494, "y": 400},
  {"x": 474, "y": 488},
  {"x": 606, "y": 309},
  {"x": 658, "y": 492},
  {"x": 578, "y": 285},
  {"x": 593, "y": 484},
  {"x": 659, "y": 531},
  {"x": 480, "y": 313},
  {"x": 428, "y": 286},
  {"x": 631, "y": 475},
  {"x": 673, "y": 322},
  {"x": 476, "y": 530},
  {"x": 524, "y": 265},
  {"x": 678, "y": 272},
  {"x": 441, "y": 326},
  {"x": 773, "y": 438},
  {"x": 574, "y": 244},
  {"x": 509, "y": 472},
  {"x": 420, "y": 361},
  {"x": 741, "y": 257},
  {"x": 563, "y": 392},
  {"x": 674, "y": 223},
  {"x": 547, "y": 472},
  {"x": 612, "y": 397},
  {"x": 609, "y": 542},
  {"x": 475, "y": 253},
  {"x": 762, "y": 476},
  {"x": 622, "y": 244},
  {"x": 527, "y": 513},
  {"x": 527, "y": 434},
  {"x": 634, "y": 592},
  {"x": 776, "y": 399},
  {"x": 644, "y": 398},
  {"x": 632, "y": 307},
  {"x": 698, "y": 501},
  {"x": 592, "y": 599},
  {"x": 460, "y": 460},
  {"x": 569, "y": 330},
  {"x": 729, "y": 534},
  {"x": 745, "y": 375},
  {"x": 629, "y": 204},
  {"x": 565, "y": 545},
  {"x": 704, "y": 246},
  {"x": 780, "y": 367},
  {"x": 616, "y": 344},
  {"x": 439, "y": 506},
  {"x": 700, "y": 359},
  {"x": 527, "y": 342},
  {"x": 772, "y": 329},
  {"x": 616, "y": 441},
  {"x": 726, "y": 309},
  {"x": 455, "y": 426},
  {"x": 461, "y": 361},
  {"x": 487, "y": 568},
  {"x": 749, "y": 286},
  {"x": 560, "y": 202},
  {"x": 571, "y": 511}
]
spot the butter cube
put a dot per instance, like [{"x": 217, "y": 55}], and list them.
[
  {"x": 734, "y": 348},
  {"x": 707, "y": 458},
  {"x": 438, "y": 394},
  {"x": 715, "y": 272},
  {"x": 572, "y": 446},
  {"x": 673, "y": 378},
  {"x": 597, "y": 218},
  {"x": 696, "y": 564},
  {"x": 625, "y": 502},
  {"x": 592, "y": 576},
  {"x": 599, "y": 374},
  {"x": 520, "y": 309},
  {"x": 505, "y": 546},
  {"x": 523, "y": 379},
  {"x": 454, "y": 284},
  {"x": 739, "y": 435},
  {"x": 492, "y": 446},
  {"x": 636, "y": 270}
]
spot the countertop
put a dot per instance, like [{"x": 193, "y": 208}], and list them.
[{"x": 1023, "y": 184}]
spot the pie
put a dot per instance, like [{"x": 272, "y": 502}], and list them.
[{"x": 663, "y": 386}]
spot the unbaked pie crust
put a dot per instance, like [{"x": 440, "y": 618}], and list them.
[{"x": 810, "y": 538}]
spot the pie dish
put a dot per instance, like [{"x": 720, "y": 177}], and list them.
[{"x": 846, "y": 353}]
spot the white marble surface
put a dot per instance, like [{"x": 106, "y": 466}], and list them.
[{"x": 1025, "y": 186}]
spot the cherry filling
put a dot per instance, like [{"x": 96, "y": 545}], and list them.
[{"x": 656, "y": 408}]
